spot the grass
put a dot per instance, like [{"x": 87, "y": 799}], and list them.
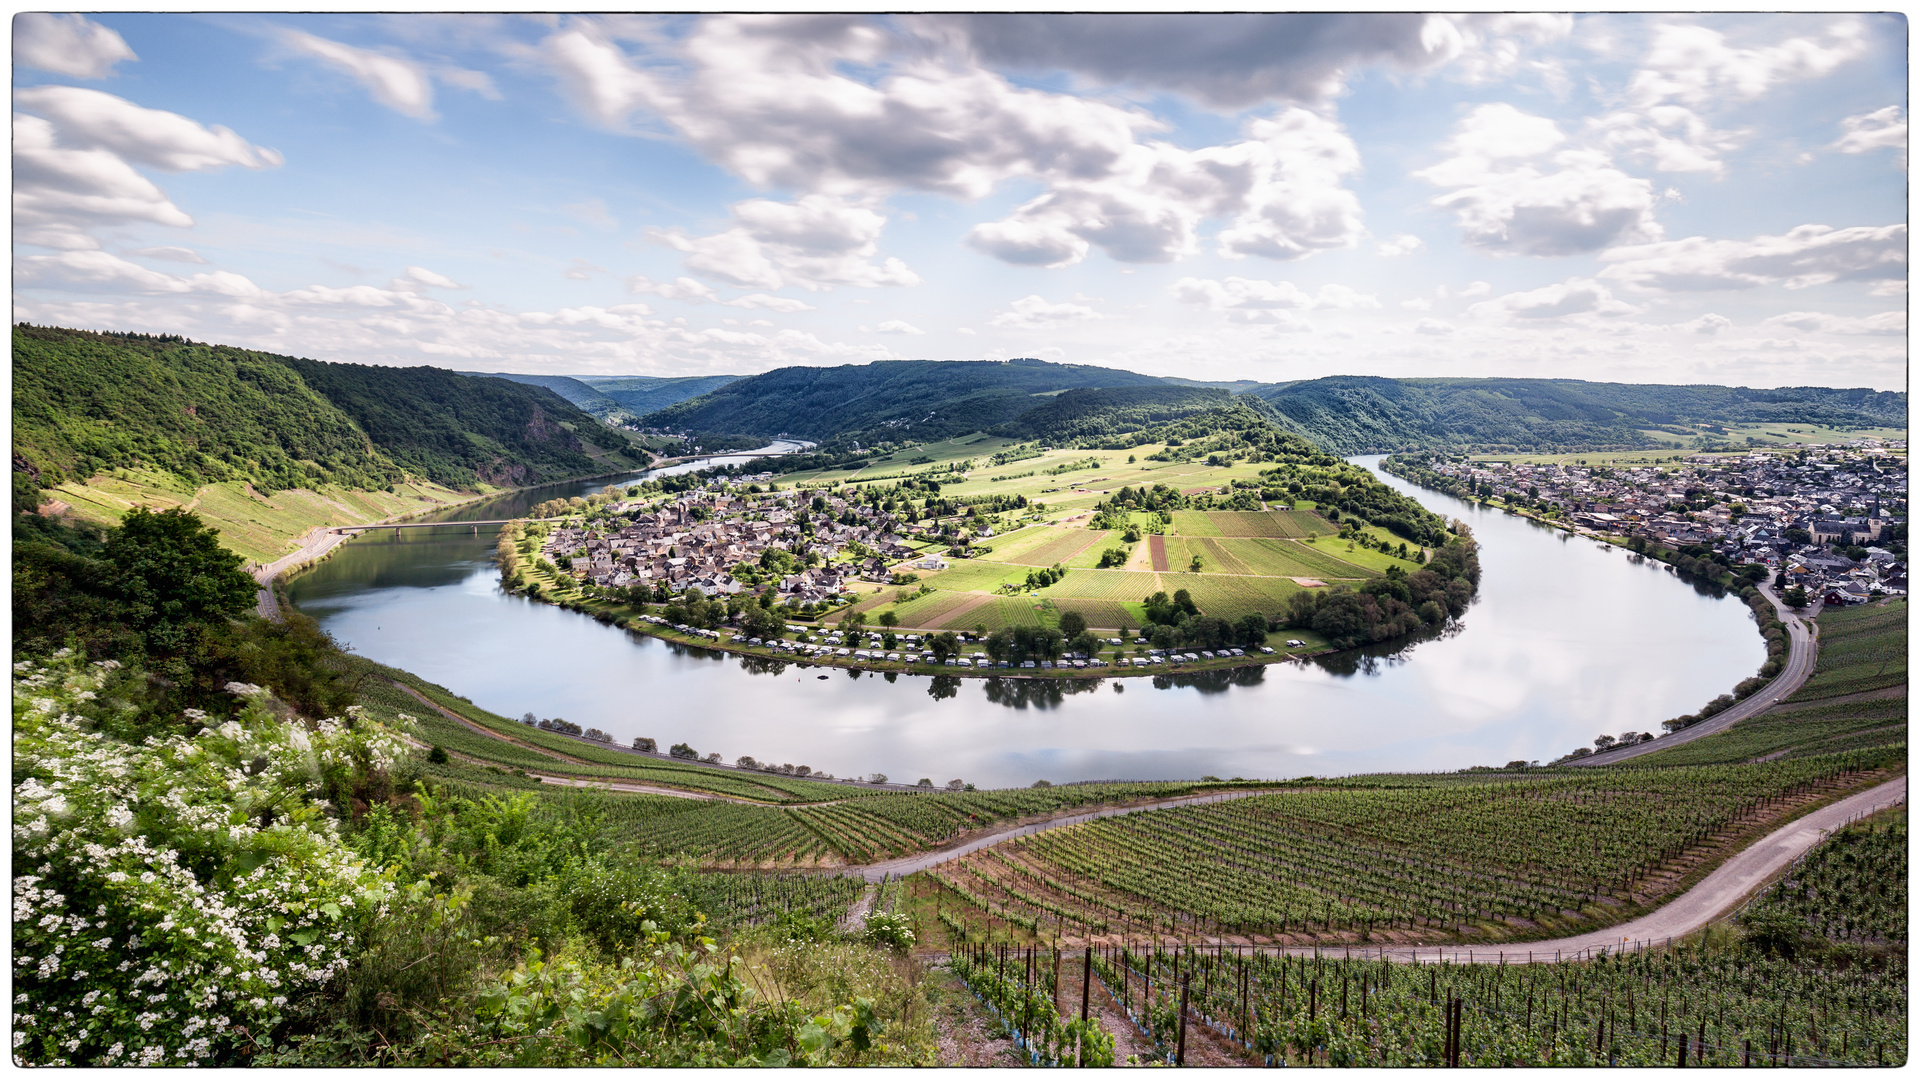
[
  {"x": 1089, "y": 556},
  {"x": 259, "y": 528}
]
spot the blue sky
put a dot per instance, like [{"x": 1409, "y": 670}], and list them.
[{"x": 1703, "y": 198}]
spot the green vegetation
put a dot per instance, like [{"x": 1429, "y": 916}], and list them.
[
  {"x": 919, "y": 399},
  {"x": 578, "y": 394},
  {"x": 1392, "y": 859},
  {"x": 640, "y": 394},
  {"x": 1363, "y": 414},
  {"x": 87, "y": 403}
]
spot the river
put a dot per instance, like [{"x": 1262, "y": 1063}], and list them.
[{"x": 1567, "y": 640}]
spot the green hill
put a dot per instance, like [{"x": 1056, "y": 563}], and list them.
[
  {"x": 578, "y": 394},
  {"x": 88, "y": 403},
  {"x": 1363, "y": 414},
  {"x": 1076, "y": 415},
  {"x": 918, "y": 399},
  {"x": 641, "y": 394}
]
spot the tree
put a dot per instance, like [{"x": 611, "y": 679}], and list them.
[
  {"x": 943, "y": 645},
  {"x": 745, "y": 761},
  {"x": 1072, "y": 623},
  {"x": 682, "y": 750},
  {"x": 925, "y": 782},
  {"x": 644, "y": 745},
  {"x": 176, "y": 579},
  {"x": 956, "y": 785},
  {"x": 1194, "y": 567},
  {"x": 889, "y": 620},
  {"x": 1603, "y": 742},
  {"x": 1184, "y": 600}
]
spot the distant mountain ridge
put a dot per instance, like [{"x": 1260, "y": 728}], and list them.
[
  {"x": 578, "y": 394},
  {"x": 1355, "y": 414},
  {"x": 85, "y": 403},
  {"x": 921, "y": 400},
  {"x": 926, "y": 400}
]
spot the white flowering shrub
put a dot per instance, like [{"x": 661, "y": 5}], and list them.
[{"x": 172, "y": 897}]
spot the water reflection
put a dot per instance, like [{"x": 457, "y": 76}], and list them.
[{"x": 1562, "y": 644}]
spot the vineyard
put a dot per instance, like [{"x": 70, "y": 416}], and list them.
[
  {"x": 1681, "y": 1006},
  {"x": 1510, "y": 860},
  {"x": 1861, "y": 649}
]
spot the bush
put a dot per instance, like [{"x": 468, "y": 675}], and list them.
[
  {"x": 892, "y": 929},
  {"x": 154, "y": 924}
]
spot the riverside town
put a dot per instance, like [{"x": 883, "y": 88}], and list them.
[{"x": 942, "y": 539}]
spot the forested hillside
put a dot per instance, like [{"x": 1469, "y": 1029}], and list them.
[
  {"x": 579, "y": 394},
  {"x": 1362, "y": 414},
  {"x": 916, "y": 399},
  {"x": 86, "y": 403},
  {"x": 640, "y": 395},
  {"x": 1117, "y": 412}
]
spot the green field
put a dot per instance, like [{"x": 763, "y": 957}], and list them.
[
  {"x": 1861, "y": 648},
  {"x": 259, "y": 528},
  {"x": 1102, "y": 585}
]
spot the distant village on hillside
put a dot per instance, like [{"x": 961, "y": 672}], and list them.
[
  {"x": 735, "y": 534},
  {"x": 1831, "y": 519}
]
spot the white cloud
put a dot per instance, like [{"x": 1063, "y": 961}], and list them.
[
  {"x": 818, "y": 242},
  {"x": 898, "y": 326},
  {"x": 1808, "y": 255},
  {"x": 682, "y": 288},
  {"x": 424, "y": 276},
  {"x": 1695, "y": 65},
  {"x": 1435, "y": 327},
  {"x": 1252, "y": 301},
  {"x": 170, "y": 254},
  {"x": 72, "y": 45},
  {"x": 1708, "y": 324},
  {"x": 71, "y": 170},
  {"x": 772, "y": 99},
  {"x": 1402, "y": 244},
  {"x": 93, "y": 120},
  {"x": 1418, "y": 303},
  {"x": 786, "y": 305},
  {"x": 1035, "y": 313},
  {"x": 1575, "y": 296},
  {"x": 396, "y": 82},
  {"x": 1670, "y": 138},
  {"x": 1506, "y": 205},
  {"x": 1281, "y": 188},
  {"x": 1879, "y": 129},
  {"x": 1476, "y": 288},
  {"x": 98, "y": 270},
  {"x": 1885, "y": 324},
  {"x": 968, "y": 331}
]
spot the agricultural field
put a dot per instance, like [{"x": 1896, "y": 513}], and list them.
[
  {"x": 260, "y": 528},
  {"x": 1419, "y": 858},
  {"x": 1861, "y": 649},
  {"x": 1089, "y": 556}
]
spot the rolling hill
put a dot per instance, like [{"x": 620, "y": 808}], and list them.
[
  {"x": 641, "y": 394},
  {"x": 1351, "y": 414},
  {"x": 917, "y": 399},
  {"x": 578, "y": 394},
  {"x": 87, "y": 403}
]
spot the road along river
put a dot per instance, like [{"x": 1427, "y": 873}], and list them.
[{"x": 1568, "y": 639}]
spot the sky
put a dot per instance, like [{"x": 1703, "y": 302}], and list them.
[{"x": 1665, "y": 198}]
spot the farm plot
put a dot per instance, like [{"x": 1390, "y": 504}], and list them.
[
  {"x": 1100, "y": 614},
  {"x": 1012, "y": 547},
  {"x": 928, "y": 610},
  {"x": 1194, "y": 523},
  {"x": 1089, "y": 556},
  {"x": 1275, "y": 523},
  {"x": 1315, "y": 562},
  {"x": 1229, "y": 597},
  {"x": 1103, "y": 585},
  {"x": 1220, "y": 556},
  {"x": 1062, "y": 548},
  {"x": 1281, "y": 558},
  {"x": 973, "y": 575},
  {"x": 1157, "y": 549},
  {"x": 995, "y": 613}
]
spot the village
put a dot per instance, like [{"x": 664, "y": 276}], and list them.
[
  {"x": 1830, "y": 519},
  {"x": 810, "y": 552}
]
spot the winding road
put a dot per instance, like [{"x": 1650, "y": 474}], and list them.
[{"x": 1802, "y": 650}]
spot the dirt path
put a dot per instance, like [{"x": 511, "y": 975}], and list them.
[{"x": 1802, "y": 650}]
